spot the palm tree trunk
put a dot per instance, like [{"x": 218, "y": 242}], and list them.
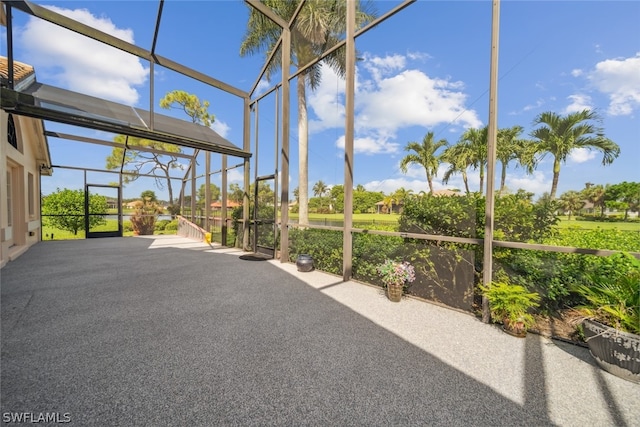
[
  {"x": 556, "y": 175},
  {"x": 303, "y": 154},
  {"x": 430, "y": 181},
  {"x": 503, "y": 178},
  {"x": 466, "y": 182},
  {"x": 481, "y": 179}
]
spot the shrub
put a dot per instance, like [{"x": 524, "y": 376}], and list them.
[
  {"x": 162, "y": 224},
  {"x": 510, "y": 303},
  {"x": 369, "y": 251},
  {"x": 554, "y": 274},
  {"x": 325, "y": 246},
  {"x": 452, "y": 216},
  {"x": 171, "y": 225},
  {"x": 144, "y": 216},
  {"x": 612, "y": 294}
]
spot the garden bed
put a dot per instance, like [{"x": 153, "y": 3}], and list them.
[{"x": 562, "y": 325}]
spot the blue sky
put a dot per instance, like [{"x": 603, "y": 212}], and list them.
[{"x": 424, "y": 69}]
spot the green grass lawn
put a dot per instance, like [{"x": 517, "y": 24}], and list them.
[
  {"x": 111, "y": 225},
  {"x": 356, "y": 217},
  {"x": 48, "y": 231},
  {"x": 565, "y": 223}
]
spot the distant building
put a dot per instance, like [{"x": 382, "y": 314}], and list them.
[
  {"x": 230, "y": 204},
  {"x": 24, "y": 157}
]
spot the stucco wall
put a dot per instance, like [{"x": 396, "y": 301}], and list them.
[{"x": 25, "y": 160}]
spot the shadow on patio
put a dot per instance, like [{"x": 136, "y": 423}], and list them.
[{"x": 111, "y": 332}]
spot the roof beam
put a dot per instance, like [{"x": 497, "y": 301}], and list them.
[
  {"x": 197, "y": 75},
  {"x": 147, "y": 175},
  {"x": 259, "y": 6},
  {"x": 114, "y": 144}
]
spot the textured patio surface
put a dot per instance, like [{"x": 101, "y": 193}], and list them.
[{"x": 167, "y": 331}]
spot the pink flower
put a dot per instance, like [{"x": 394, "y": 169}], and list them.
[{"x": 396, "y": 273}]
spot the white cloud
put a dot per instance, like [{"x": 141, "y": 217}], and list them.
[
  {"x": 383, "y": 66},
  {"x": 577, "y": 72},
  {"x": 391, "y": 98},
  {"x": 536, "y": 183},
  {"x": 82, "y": 64},
  {"x": 412, "y": 98},
  {"x": 414, "y": 171},
  {"x": 539, "y": 103},
  {"x": 415, "y": 179},
  {"x": 418, "y": 56},
  {"x": 221, "y": 127},
  {"x": 579, "y": 102},
  {"x": 370, "y": 145},
  {"x": 620, "y": 80},
  {"x": 235, "y": 176},
  {"x": 581, "y": 155},
  {"x": 327, "y": 102},
  {"x": 263, "y": 86}
]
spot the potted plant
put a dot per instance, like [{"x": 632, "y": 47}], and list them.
[
  {"x": 143, "y": 217},
  {"x": 395, "y": 275},
  {"x": 510, "y": 305},
  {"x": 611, "y": 315}
]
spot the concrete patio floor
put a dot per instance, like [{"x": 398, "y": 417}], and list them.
[{"x": 161, "y": 330}]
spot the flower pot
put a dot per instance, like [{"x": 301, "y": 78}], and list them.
[
  {"x": 394, "y": 292},
  {"x": 304, "y": 262},
  {"x": 615, "y": 351}
]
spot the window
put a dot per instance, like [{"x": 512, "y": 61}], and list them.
[
  {"x": 31, "y": 195},
  {"x": 12, "y": 136},
  {"x": 9, "y": 207}
]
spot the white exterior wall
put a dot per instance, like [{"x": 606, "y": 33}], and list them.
[{"x": 32, "y": 153}]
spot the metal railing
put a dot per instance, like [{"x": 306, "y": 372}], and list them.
[{"x": 192, "y": 231}]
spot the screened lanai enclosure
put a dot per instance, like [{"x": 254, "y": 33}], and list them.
[{"x": 302, "y": 110}]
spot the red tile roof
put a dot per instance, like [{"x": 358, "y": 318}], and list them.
[{"x": 230, "y": 204}]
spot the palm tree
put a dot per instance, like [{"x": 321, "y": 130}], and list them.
[
  {"x": 402, "y": 194},
  {"x": 475, "y": 143},
  {"x": 319, "y": 189},
  {"x": 425, "y": 155},
  {"x": 459, "y": 158},
  {"x": 571, "y": 201},
  {"x": 319, "y": 25},
  {"x": 596, "y": 195},
  {"x": 511, "y": 148},
  {"x": 388, "y": 202},
  {"x": 560, "y": 135}
]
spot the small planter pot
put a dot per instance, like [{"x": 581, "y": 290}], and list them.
[
  {"x": 516, "y": 329},
  {"x": 616, "y": 352},
  {"x": 304, "y": 262},
  {"x": 394, "y": 293}
]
